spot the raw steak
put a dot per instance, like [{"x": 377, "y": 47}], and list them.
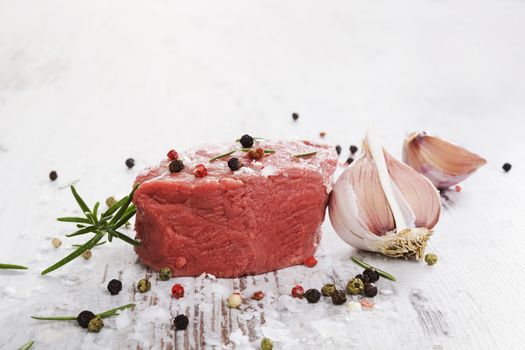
[{"x": 263, "y": 217}]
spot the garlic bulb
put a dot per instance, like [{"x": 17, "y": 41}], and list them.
[
  {"x": 382, "y": 205},
  {"x": 443, "y": 163}
]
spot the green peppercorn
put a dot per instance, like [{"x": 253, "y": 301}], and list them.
[
  {"x": 312, "y": 295},
  {"x": 165, "y": 273},
  {"x": 362, "y": 278},
  {"x": 266, "y": 344},
  {"x": 143, "y": 285},
  {"x": 84, "y": 317},
  {"x": 95, "y": 325},
  {"x": 370, "y": 290},
  {"x": 176, "y": 166},
  {"x": 328, "y": 289},
  {"x": 110, "y": 201},
  {"x": 355, "y": 286},
  {"x": 338, "y": 297},
  {"x": 431, "y": 259},
  {"x": 371, "y": 275}
]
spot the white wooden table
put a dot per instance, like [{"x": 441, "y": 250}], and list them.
[{"x": 86, "y": 84}]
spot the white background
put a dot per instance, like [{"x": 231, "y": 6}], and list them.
[{"x": 86, "y": 84}]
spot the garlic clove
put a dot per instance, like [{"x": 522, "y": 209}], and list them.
[
  {"x": 380, "y": 204},
  {"x": 420, "y": 194},
  {"x": 443, "y": 163}
]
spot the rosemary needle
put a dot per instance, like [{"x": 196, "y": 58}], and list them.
[
  {"x": 365, "y": 265},
  {"x": 12, "y": 267},
  {"x": 222, "y": 155},
  {"x": 301, "y": 155},
  {"x": 108, "y": 313},
  {"x": 27, "y": 345}
]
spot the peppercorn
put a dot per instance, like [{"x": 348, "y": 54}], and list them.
[
  {"x": 328, "y": 289},
  {"x": 295, "y": 116},
  {"x": 172, "y": 154},
  {"x": 266, "y": 344},
  {"x": 312, "y": 295},
  {"x": 95, "y": 325},
  {"x": 234, "y": 300},
  {"x": 234, "y": 164},
  {"x": 114, "y": 286},
  {"x": 338, "y": 149},
  {"x": 56, "y": 242},
  {"x": 256, "y": 154},
  {"x": 338, "y": 297},
  {"x": 177, "y": 291},
  {"x": 259, "y": 295},
  {"x": 355, "y": 286},
  {"x": 246, "y": 141},
  {"x": 165, "y": 273},
  {"x": 297, "y": 291},
  {"x": 431, "y": 259},
  {"x": 310, "y": 261},
  {"x": 371, "y": 275},
  {"x": 176, "y": 166},
  {"x": 181, "y": 322},
  {"x": 362, "y": 278},
  {"x": 87, "y": 254},
  {"x": 200, "y": 170},
  {"x": 84, "y": 317},
  {"x": 53, "y": 175},
  {"x": 353, "y": 149},
  {"x": 370, "y": 290},
  {"x": 507, "y": 167},
  {"x": 110, "y": 201},
  {"x": 130, "y": 162},
  {"x": 322, "y": 134},
  {"x": 457, "y": 188},
  {"x": 143, "y": 285},
  {"x": 349, "y": 160}
]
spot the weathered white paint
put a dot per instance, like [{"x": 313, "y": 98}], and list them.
[{"x": 86, "y": 84}]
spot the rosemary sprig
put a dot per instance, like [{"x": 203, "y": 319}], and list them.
[
  {"x": 222, "y": 155},
  {"x": 101, "y": 225},
  {"x": 12, "y": 267},
  {"x": 27, "y": 345},
  {"x": 105, "y": 314},
  {"x": 267, "y": 151},
  {"x": 365, "y": 265},
  {"x": 302, "y": 155}
]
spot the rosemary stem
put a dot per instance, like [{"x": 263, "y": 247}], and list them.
[
  {"x": 105, "y": 314},
  {"x": 27, "y": 345},
  {"x": 365, "y": 265}
]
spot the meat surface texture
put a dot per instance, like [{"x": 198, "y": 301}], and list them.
[{"x": 263, "y": 217}]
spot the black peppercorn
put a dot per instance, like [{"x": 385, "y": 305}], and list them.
[
  {"x": 338, "y": 149},
  {"x": 295, "y": 116},
  {"x": 234, "y": 164},
  {"x": 349, "y": 160},
  {"x": 176, "y": 166},
  {"x": 353, "y": 149},
  {"x": 363, "y": 278},
  {"x": 371, "y": 275},
  {"x": 84, "y": 317},
  {"x": 130, "y": 162},
  {"x": 114, "y": 287},
  {"x": 53, "y": 175},
  {"x": 507, "y": 167},
  {"x": 246, "y": 141},
  {"x": 338, "y": 297},
  {"x": 312, "y": 295},
  {"x": 370, "y": 290},
  {"x": 181, "y": 322}
]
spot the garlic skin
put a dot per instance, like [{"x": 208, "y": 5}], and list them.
[
  {"x": 443, "y": 163},
  {"x": 365, "y": 217}
]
